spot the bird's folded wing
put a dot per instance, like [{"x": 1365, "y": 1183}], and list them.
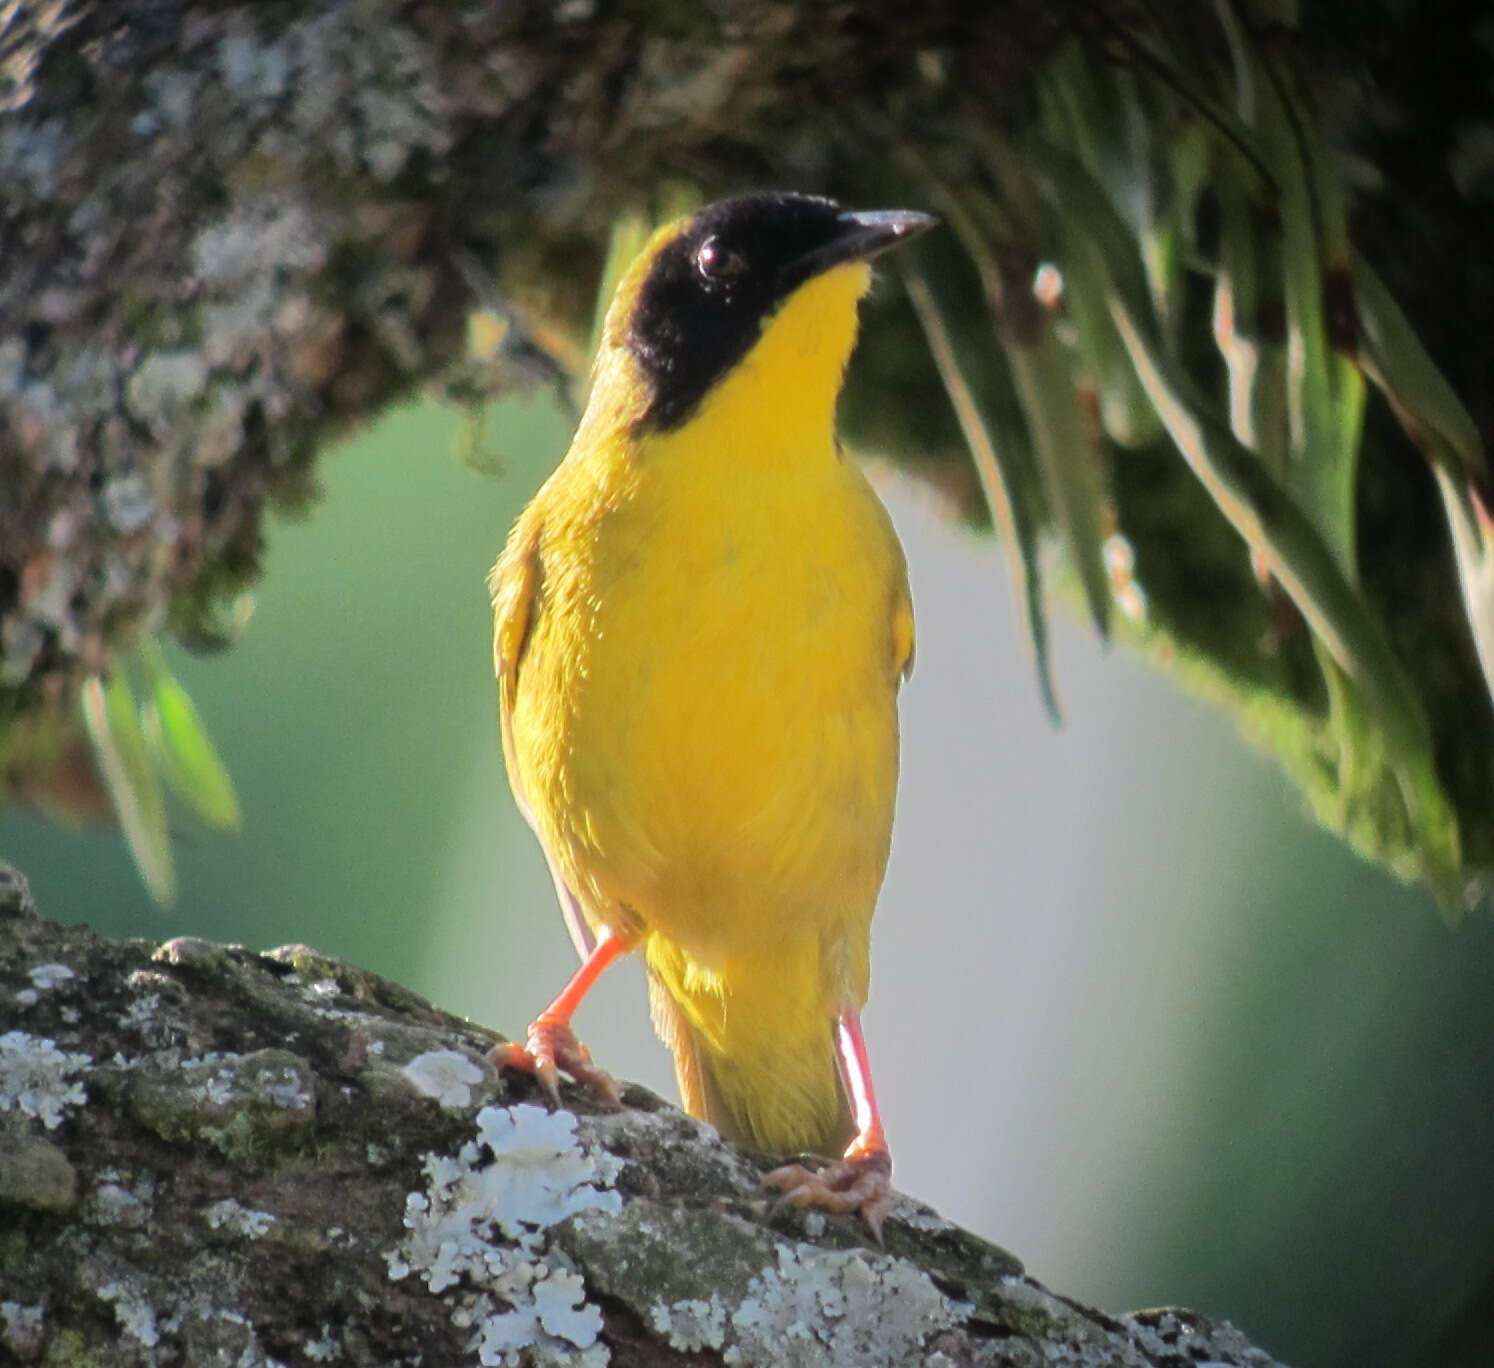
[
  {"x": 902, "y": 627},
  {"x": 512, "y": 585}
]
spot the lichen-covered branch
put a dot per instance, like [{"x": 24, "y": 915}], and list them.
[
  {"x": 210, "y": 1155},
  {"x": 228, "y": 233}
]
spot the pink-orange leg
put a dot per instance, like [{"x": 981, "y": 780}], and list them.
[
  {"x": 552, "y": 1046},
  {"x": 862, "y": 1180}
]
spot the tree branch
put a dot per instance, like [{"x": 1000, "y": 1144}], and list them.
[
  {"x": 229, "y": 233},
  {"x": 208, "y": 1154}
]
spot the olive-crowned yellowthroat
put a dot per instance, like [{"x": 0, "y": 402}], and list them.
[{"x": 701, "y": 623}]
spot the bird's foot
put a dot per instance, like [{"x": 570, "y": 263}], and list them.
[
  {"x": 861, "y": 1182},
  {"x": 552, "y": 1049}
]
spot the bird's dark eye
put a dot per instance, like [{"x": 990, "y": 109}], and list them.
[{"x": 717, "y": 262}]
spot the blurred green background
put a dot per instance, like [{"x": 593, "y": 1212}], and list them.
[{"x": 1132, "y": 1017}]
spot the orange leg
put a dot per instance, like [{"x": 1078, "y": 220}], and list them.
[
  {"x": 552, "y": 1045},
  {"x": 862, "y": 1180}
]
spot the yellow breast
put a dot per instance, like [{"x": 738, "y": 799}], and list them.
[{"x": 705, "y": 721}]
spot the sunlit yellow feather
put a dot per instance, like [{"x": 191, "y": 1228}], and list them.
[{"x": 699, "y": 639}]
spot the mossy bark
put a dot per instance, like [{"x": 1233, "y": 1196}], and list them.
[
  {"x": 207, "y": 1153},
  {"x": 227, "y": 234}
]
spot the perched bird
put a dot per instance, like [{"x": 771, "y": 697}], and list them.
[{"x": 701, "y": 623}]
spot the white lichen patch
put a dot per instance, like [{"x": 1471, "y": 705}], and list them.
[
  {"x": 221, "y": 1079},
  {"x": 141, "y": 1011},
  {"x": 22, "y": 1329},
  {"x": 522, "y": 1174},
  {"x": 550, "y": 1321},
  {"x": 115, "y": 1205},
  {"x": 691, "y": 1324},
  {"x": 446, "y": 1075},
  {"x": 325, "y": 1348},
  {"x": 538, "y": 1175},
  {"x": 916, "y": 1216},
  {"x": 243, "y": 1104},
  {"x": 217, "y": 1087},
  {"x": 45, "y": 977},
  {"x": 136, "y": 1318},
  {"x": 228, "y": 1214},
  {"x": 284, "y": 1087},
  {"x": 36, "y": 1078},
  {"x": 1179, "y": 1335},
  {"x": 841, "y": 1306}
]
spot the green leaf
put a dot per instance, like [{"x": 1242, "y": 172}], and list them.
[
  {"x": 1434, "y": 418},
  {"x": 1068, "y": 457},
  {"x": 181, "y": 748},
  {"x": 1246, "y": 286},
  {"x": 1171, "y": 182},
  {"x": 1267, "y": 517},
  {"x": 999, "y": 478},
  {"x": 1084, "y": 112},
  {"x": 1325, "y": 391},
  {"x": 123, "y": 758},
  {"x": 1126, "y": 413}
]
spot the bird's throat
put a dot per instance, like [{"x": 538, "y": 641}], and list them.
[{"x": 785, "y": 388}]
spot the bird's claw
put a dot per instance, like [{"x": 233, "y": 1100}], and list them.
[
  {"x": 861, "y": 1182},
  {"x": 552, "y": 1049}
]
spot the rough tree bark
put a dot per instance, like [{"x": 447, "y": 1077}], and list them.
[
  {"x": 209, "y": 1155},
  {"x": 226, "y": 233}
]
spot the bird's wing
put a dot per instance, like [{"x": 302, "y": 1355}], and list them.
[
  {"x": 902, "y": 624},
  {"x": 514, "y": 587},
  {"x": 900, "y": 605}
]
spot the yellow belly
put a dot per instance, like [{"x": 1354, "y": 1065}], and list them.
[
  {"x": 706, "y": 720},
  {"x": 700, "y": 638}
]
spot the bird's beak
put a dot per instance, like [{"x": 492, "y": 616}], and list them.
[
  {"x": 861, "y": 235},
  {"x": 866, "y": 233}
]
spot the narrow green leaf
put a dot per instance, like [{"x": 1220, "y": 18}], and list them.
[
  {"x": 1435, "y": 419},
  {"x": 1268, "y": 519},
  {"x": 1246, "y": 288},
  {"x": 1325, "y": 392},
  {"x": 1084, "y": 110},
  {"x": 1234, "y": 138},
  {"x": 1067, "y": 455},
  {"x": 1126, "y": 413},
  {"x": 1170, "y": 184},
  {"x": 1425, "y": 403},
  {"x": 181, "y": 748},
  {"x": 1473, "y": 548},
  {"x": 625, "y": 240},
  {"x": 119, "y": 747},
  {"x": 1068, "y": 458},
  {"x": 1090, "y": 112},
  {"x": 999, "y": 482}
]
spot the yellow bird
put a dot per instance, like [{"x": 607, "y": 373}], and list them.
[{"x": 700, "y": 625}]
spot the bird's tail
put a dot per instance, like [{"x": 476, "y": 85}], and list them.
[{"x": 754, "y": 1051}]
